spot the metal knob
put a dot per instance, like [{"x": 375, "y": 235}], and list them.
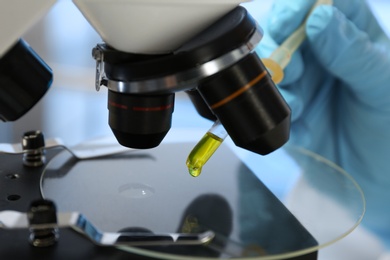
[
  {"x": 33, "y": 144},
  {"x": 42, "y": 217}
]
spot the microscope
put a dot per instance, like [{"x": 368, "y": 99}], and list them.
[
  {"x": 206, "y": 50},
  {"x": 151, "y": 50},
  {"x": 210, "y": 56}
]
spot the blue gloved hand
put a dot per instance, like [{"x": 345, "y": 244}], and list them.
[{"x": 338, "y": 87}]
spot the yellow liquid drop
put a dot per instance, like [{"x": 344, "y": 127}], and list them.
[{"x": 202, "y": 153}]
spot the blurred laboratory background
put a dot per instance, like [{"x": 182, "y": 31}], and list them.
[{"x": 73, "y": 111}]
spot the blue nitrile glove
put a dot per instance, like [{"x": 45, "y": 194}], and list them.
[{"x": 338, "y": 88}]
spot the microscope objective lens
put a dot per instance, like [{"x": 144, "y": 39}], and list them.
[{"x": 202, "y": 153}]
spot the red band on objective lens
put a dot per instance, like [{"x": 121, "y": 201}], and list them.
[
  {"x": 114, "y": 104},
  {"x": 152, "y": 109}
]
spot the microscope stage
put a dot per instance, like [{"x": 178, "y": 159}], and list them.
[{"x": 151, "y": 192}]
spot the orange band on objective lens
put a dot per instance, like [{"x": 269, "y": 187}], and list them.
[{"x": 240, "y": 91}]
